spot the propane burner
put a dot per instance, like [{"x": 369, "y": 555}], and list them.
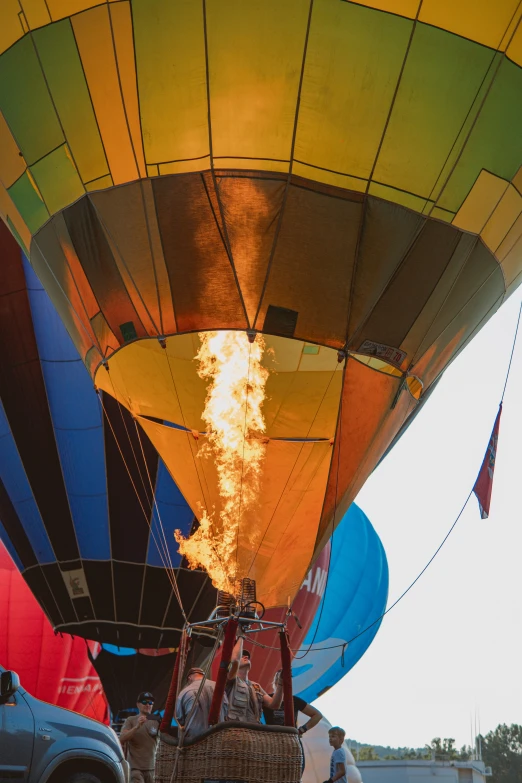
[{"x": 241, "y": 603}]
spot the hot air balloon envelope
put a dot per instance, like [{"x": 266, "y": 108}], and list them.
[
  {"x": 335, "y": 175},
  {"x": 53, "y": 668}
]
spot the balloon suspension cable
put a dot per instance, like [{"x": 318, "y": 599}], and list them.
[
  {"x": 164, "y": 552},
  {"x": 160, "y": 548},
  {"x": 172, "y": 695},
  {"x": 221, "y": 679},
  {"x": 512, "y": 353},
  {"x": 432, "y": 558},
  {"x": 206, "y": 672},
  {"x": 430, "y": 561},
  {"x": 286, "y": 664},
  {"x": 94, "y": 693}
]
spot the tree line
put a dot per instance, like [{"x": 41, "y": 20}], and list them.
[{"x": 501, "y": 750}]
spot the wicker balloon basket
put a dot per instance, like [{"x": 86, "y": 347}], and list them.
[{"x": 232, "y": 753}]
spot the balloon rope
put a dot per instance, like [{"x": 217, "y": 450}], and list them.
[
  {"x": 160, "y": 521},
  {"x": 221, "y": 679},
  {"x": 430, "y": 561},
  {"x": 286, "y": 664},
  {"x": 173, "y": 689},
  {"x": 163, "y": 550},
  {"x": 169, "y": 575},
  {"x": 181, "y": 729},
  {"x": 206, "y": 672},
  {"x": 512, "y": 352},
  {"x": 345, "y": 644},
  {"x": 94, "y": 693},
  {"x": 432, "y": 558},
  {"x": 306, "y": 439},
  {"x": 175, "y": 390}
]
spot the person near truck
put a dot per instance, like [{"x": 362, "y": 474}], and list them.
[{"x": 139, "y": 736}]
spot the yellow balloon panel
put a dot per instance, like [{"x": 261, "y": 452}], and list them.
[
  {"x": 302, "y": 391},
  {"x": 93, "y": 32},
  {"x": 487, "y": 23},
  {"x": 407, "y": 8},
  {"x": 170, "y": 59},
  {"x": 12, "y": 27},
  {"x": 254, "y": 81},
  {"x": 341, "y": 121},
  {"x": 480, "y": 203},
  {"x": 36, "y": 13},
  {"x": 12, "y": 163},
  {"x": 506, "y": 213},
  {"x": 491, "y": 24}
]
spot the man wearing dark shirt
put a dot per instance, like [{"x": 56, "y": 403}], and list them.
[
  {"x": 277, "y": 717},
  {"x": 141, "y": 736}
]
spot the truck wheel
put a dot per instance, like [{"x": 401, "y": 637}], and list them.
[{"x": 83, "y": 777}]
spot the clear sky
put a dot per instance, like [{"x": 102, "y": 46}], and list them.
[{"x": 452, "y": 648}]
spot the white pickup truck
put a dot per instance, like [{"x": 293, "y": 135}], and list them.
[{"x": 41, "y": 743}]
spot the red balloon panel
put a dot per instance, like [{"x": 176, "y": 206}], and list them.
[
  {"x": 53, "y": 668},
  {"x": 266, "y": 660}
]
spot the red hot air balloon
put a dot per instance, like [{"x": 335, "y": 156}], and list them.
[
  {"x": 264, "y": 649},
  {"x": 53, "y": 668},
  {"x": 266, "y": 661}
]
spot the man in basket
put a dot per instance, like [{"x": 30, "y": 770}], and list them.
[
  {"x": 193, "y": 704},
  {"x": 246, "y": 699}
]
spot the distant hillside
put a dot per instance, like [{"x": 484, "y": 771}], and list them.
[{"x": 382, "y": 751}]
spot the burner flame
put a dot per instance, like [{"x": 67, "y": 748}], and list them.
[{"x": 235, "y": 425}]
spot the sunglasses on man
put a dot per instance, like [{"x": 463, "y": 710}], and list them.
[{"x": 146, "y": 701}]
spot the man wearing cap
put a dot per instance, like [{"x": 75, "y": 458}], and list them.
[
  {"x": 140, "y": 734},
  {"x": 193, "y": 704},
  {"x": 246, "y": 699}
]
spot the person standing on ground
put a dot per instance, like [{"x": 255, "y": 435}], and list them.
[
  {"x": 186, "y": 704},
  {"x": 246, "y": 699},
  {"x": 276, "y": 717},
  {"x": 339, "y": 760},
  {"x": 140, "y": 734}
]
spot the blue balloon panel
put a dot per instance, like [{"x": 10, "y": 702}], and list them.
[
  {"x": 355, "y": 597},
  {"x": 87, "y": 503}
]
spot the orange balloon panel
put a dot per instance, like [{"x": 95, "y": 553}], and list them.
[{"x": 276, "y": 542}]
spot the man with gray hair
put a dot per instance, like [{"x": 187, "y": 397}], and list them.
[{"x": 192, "y": 710}]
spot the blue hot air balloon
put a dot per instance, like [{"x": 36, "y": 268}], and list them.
[
  {"x": 81, "y": 491},
  {"x": 355, "y": 596}
]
